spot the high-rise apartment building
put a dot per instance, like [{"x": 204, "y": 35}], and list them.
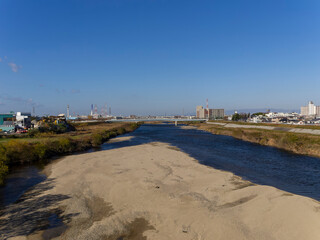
[
  {"x": 209, "y": 113},
  {"x": 200, "y": 112},
  {"x": 310, "y": 110}
]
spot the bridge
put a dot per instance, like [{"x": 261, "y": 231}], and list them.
[{"x": 175, "y": 120}]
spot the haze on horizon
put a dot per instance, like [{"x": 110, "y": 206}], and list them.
[{"x": 156, "y": 57}]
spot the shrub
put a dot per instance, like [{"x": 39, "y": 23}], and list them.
[
  {"x": 60, "y": 146},
  {"x": 19, "y": 152},
  {"x": 64, "y": 145},
  {"x": 33, "y": 132},
  {"x": 3, "y": 163},
  {"x": 84, "y": 144},
  {"x": 96, "y": 139},
  {"x": 121, "y": 131},
  {"x": 112, "y": 134},
  {"x": 41, "y": 150},
  {"x": 60, "y": 128}
]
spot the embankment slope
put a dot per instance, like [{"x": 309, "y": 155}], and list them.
[{"x": 296, "y": 140}]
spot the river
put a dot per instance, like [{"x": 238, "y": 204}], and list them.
[{"x": 264, "y": 165}]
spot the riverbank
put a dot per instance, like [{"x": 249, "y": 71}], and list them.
[
  {"x": 155, "y": 191},
  {"x": 287, "y": 139},
  {"x": 41, "y": 148}
]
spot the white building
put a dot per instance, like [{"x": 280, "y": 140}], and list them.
[
  {"x": 281, "y": 114},
  {"x": 310, "y": 110},
  {"x": 23, "y": 119},
  {"x": 200, "y": 113}
]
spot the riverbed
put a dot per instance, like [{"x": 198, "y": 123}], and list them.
[{"x": 151, "y": 180}]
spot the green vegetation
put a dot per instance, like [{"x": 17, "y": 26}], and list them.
[
  {"x": 3, "y": 164},
  {"x": 240, "y": 116},
  {"x": 46, "y": 129},
  {"x": 43, "y": 147},
  {"x": 258, "y": 114}
]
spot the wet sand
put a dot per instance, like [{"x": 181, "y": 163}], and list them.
[{"x": 155, "y": 191}]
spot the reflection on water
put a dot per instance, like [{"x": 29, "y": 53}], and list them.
[{"x": 18, "y": 181}]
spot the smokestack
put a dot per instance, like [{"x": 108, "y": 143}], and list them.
[
  {"x": 106, "y": 110},
  {"x": 207, "y": 108},
  {"x": 68, "y": 111},
  {"x": 96, "y": 109}
]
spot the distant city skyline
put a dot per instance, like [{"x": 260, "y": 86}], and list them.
[{"x": 158, "y": 57}]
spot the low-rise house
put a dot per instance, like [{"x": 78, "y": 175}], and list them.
[
  {"x": 256, "y": 119},
  {"x": 279, "y": 120}
]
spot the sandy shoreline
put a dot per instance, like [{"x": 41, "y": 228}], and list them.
[{"x": 155, "y": 191}]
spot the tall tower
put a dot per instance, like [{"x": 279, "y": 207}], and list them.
[
  {"x": 102, "y": 111},
  {"x": 207, "y": 108},
  {"x": 110, "y": 111},
  {"x": 91, "y": 110},
  {"x": 68, "y": 111},
  {"x": 105, "y": 110},
  {"x": 95, "y": 109}
]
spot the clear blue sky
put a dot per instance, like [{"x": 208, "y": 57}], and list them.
[{"x": 158, "y": 56}]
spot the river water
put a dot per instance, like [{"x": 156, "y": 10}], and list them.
[{"x": 264, "y": 165}]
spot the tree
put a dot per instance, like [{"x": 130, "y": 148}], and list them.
[
  {"x": 236, "y": 117},
  {"x": 240, "y": 117}
]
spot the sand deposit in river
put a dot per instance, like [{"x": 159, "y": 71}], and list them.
[{"x": 155, "y": 191}]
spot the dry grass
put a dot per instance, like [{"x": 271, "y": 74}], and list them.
[
  {"x": 271, "y": 124},
  {"x": 299, "y": 143},
  {"x": 46, "y": 145}
]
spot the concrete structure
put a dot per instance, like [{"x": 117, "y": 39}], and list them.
[
  {"x": 317, "y": 111},
  {"x": 200, "y": 112},
  {"x": 310, "y": 110},
  {"x": 209, "y": 113},
  {"x": 23, "y": 119}
]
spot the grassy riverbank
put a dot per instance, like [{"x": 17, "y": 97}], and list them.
[
  {"x": 42, "y": 147},
  {"x": 316, "y": 127},
  {"x": 299, "y": 143}
]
